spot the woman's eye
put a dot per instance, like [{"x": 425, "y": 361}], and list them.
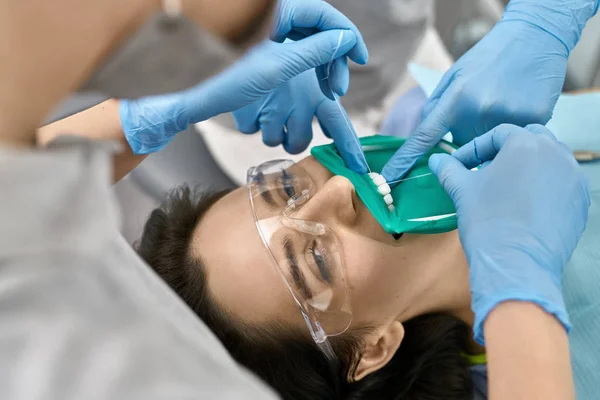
[
  {"x": 319, "y": 258},
  {"x": 287, "y": 181}
]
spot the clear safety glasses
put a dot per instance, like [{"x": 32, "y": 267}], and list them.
[{"x": 305, "y": 253}]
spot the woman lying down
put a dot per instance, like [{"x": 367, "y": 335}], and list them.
[{"x": 328, "y": 310}]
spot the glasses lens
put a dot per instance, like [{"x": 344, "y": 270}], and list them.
[
  {"x": 306, "y": 253},
  {"x": 279, "y": 186}
]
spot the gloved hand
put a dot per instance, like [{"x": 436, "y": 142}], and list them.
[
  {"x": 299, "y": 19},
  {"x": 150, "y": 123},
  {"x": 285, "y": 117},
  {"x": 513, "y": 75},
  {"x": 520, "y": 216}
]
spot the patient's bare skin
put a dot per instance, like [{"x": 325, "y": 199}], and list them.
[{"x": 390, "y": 281}]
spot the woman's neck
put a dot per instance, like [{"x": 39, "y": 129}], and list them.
[
  {"x": 443, "y": 278},
  {"x": 447, "y": 287},
  {"x": 51, "y": 47}
]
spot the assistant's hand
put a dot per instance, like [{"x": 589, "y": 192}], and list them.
[
  {"x": 150, "y": 123},
  {"x": 285, "y": 117},
  {"x": 520, "y": 216},
  {"x": 515, "y": 75},
  {"x": 298, "y": 19}
]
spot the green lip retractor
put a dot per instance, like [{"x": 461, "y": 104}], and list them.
[{"x": 418, "y": 202}]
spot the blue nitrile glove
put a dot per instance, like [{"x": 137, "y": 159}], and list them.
[
  {"x": 298, "y": 19},
  {"x": 513, "y": 75},
  {"x": 150, "y": 123},
  {"x": 285, "y": 117},
  {"x": 520, "y": 216}
]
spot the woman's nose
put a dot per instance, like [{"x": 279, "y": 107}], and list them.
[{"x": 333, "y": 203}]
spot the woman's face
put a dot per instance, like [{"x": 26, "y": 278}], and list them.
[{"x": 387, "y": 279}]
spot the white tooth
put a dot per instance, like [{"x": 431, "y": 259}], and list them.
[
  {"x": 379, "y": 180},
  {"x": 384, "y": 189},
  {"x": 391, "y": 208},
  {"x": 373, "y": 175},
  {"x": 388, "y": 199}
]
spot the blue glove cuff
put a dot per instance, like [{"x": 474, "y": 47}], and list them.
[
  {"x": 149, "y": 124},
  {"x": 556, "y": 308},
  {"x": 531, "y": 278},
  {"x": 564, "y": 19}
]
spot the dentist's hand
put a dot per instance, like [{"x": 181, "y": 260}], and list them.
[
  {"x": 514, "y": 75},
  {"x": 285, "y": 118},
  {"x": 520, "y": 216},
  {"x": 150, "y": 123},
  {"x": 298, "y": 19}
]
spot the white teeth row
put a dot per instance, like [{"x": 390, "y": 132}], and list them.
[{"x": 384, "y": 189}]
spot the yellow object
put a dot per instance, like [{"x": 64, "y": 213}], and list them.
[{"x": 477, "y": 359}]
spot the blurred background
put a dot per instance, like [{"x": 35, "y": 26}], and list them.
[{"x": 429, "y": 32}]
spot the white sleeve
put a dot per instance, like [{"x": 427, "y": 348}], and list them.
[{"x": 81, "y": 316}]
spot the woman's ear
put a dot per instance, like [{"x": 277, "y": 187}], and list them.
[{"x": 381, "y": 347}]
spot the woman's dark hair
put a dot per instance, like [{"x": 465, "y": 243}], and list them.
[{"x": 428, "y": 365}]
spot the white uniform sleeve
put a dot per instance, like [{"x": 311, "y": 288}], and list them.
[{"x": 81, "y": 316}]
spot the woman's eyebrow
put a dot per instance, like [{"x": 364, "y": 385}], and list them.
[
  {"x": 265, "y": 193},
  {"x": 297, "y": 275}
]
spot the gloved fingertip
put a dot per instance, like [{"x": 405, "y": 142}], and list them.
[
  {"x": 363, "y": 59},
  {"x": 359, "y": 54},
  {"x": 394, "y": 172},
  {"x": 435, "y": 162},
  {"x": 448, "y": 171},
  {"x": 271, "y": 142},
  {"x": 339, "y": 91},
  {"x": 248, "y": 129},
  {"x": 326, "y": 90},
  {"x": 246, "y": 126},
  {"x": 339, "y": 79},
  {"x": 291, "y": 149},
  {"x": 353, "y": 157},
  {"x": 337, "y": 85},
  {"x": 540, "y": 130},
  {"x": 359, "y": 166},
  {"x": 438, "y": 161}
]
